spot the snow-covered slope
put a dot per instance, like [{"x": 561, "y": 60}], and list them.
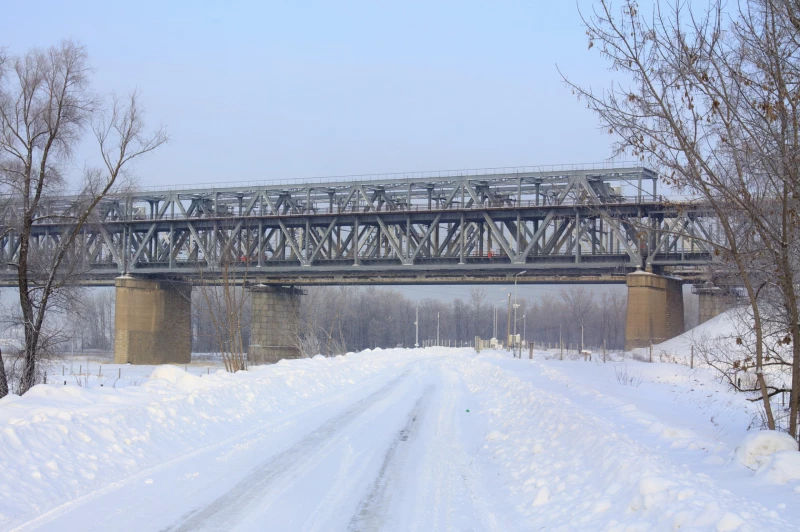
[
  {"x": 426, "y": 439},
  {"x": 720, "y": 330}
]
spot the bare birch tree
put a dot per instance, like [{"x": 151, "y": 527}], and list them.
[{"x": 46, "y": 107}]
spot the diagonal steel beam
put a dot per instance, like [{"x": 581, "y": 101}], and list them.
[
  {"x": 292, "y": 243},
  {"x": 392, "y": 242},
  {"x": 498, "y": 235},
  {"x": 425, "y": 237},
  {"x": 322, "y": 240}
]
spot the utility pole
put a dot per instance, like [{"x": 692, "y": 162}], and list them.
[
  {"x": 582, "y": 337},
  {"x": 495, "y": 316},
  {"x": 437, "y": 329},
  {"x": 508, "y": 324},
  {"x": 416, "y": 326},
  {"x": 516, "y": 305}
]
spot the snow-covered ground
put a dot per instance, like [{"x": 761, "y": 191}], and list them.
[
  {"x": 99, "y": 370},
  {"x": 425, "y": 439}
]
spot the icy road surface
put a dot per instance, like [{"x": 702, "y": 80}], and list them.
[{"x": 393, "y": 440}]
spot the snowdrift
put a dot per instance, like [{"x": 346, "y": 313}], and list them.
[{"x": 61, "y": 442}]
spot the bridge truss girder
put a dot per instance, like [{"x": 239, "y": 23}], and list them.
[
  {"x": 575, "y": 220},
  {"x": 576, "y": 238}
]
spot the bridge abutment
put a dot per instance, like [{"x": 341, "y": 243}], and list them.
[
  {"x": 655, "y": 309},
  {"x": 153, "y": 321},
  {"x": 275, "y": 322}
]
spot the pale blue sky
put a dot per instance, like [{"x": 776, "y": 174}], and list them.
[{"x": 260, "y": 91}]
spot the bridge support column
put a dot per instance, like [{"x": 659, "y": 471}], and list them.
[
  {"x": 713, "y": 301},
  {"x": 153, "y": 322},
  {"x": 655, "y": 309},
  {"x": 275, "y": 323}
]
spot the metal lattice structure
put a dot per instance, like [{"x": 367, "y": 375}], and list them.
[{"x": 593, "y": 223}]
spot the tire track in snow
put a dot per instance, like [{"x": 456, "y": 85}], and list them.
[
  {"x": 255, "y": 434},
  {"x": 448, "y": 479},
  {"x": 242, "y": 501},
  {"x": 371, "y": 509}
]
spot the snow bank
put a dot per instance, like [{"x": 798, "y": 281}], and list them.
[
  {"x": 757, "y": 449},
  {"x": 60, "y": 442},
  {"x": 719, "y": 329},
  {"x": 772, "y": 454},
  {"x": 782, "y": 467},
  {"x": 580, "y": 471}
]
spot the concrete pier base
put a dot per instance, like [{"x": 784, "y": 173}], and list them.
[
  {"x": 274, "y": 328},
  {"x": 655, "y": 309},
  {"x": 713, "y": 301},
  {"x": 153, "y": 322}
]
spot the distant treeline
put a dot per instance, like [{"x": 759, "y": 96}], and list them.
[
  {"x": 362, "y": 318},
  {"x": 338, "y": 319}
]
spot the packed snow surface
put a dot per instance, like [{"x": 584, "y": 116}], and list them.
[{"x": 423, "y": 439}]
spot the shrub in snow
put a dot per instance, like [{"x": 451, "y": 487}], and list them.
[
  {"x": 757, "y": 449},
  {"x": 625, "y": 379}
]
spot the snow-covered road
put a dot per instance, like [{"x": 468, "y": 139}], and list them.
[
  {"x": 408, "y": 440},
  {"x": 380, "y": 455}
]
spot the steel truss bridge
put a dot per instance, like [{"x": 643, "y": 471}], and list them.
[{"x": 588, "y": 223}]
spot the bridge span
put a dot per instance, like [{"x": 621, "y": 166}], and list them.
[{"x": 592, "y": 224}]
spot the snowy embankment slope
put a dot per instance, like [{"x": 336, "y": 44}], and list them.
[
  {"x": 429, "y": 439},
  {"x": 720, "y": 330}
]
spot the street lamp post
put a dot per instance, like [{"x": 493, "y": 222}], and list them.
[
  {"x": 514, "y": 338},
  {"x": 437, "y": 329},
  {"x": 416, "y": 326},
  {"x": 581, "y": 337},
  {"x": 524, "y": 338},
  {"x": 495, "y": 316}
]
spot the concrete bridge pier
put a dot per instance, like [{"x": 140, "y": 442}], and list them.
[
  {"x": 655, "y": 309},
  {"x": 275, "y": 324},
  {"x": 713, "y": 301},
  {"x": 153, "y": 321}
]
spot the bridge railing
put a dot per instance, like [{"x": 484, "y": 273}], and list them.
[{"x": 431, "y": 174}]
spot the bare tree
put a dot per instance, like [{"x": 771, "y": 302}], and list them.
[
  {"x": 46, "y": 106},
  {"x": 92, "y": 319},
  {"x": 713, "y": 99},
  {"x": 320, "y": 324},
  {"x": 225, "y": 305},
  {"x": 580, "y": 306},
  {"x": 612, "y": 319}
]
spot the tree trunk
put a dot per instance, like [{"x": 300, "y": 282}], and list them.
[{"x": 3, "y": 378}]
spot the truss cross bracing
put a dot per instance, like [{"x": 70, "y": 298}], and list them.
[{"x": 556, "y": 223}]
